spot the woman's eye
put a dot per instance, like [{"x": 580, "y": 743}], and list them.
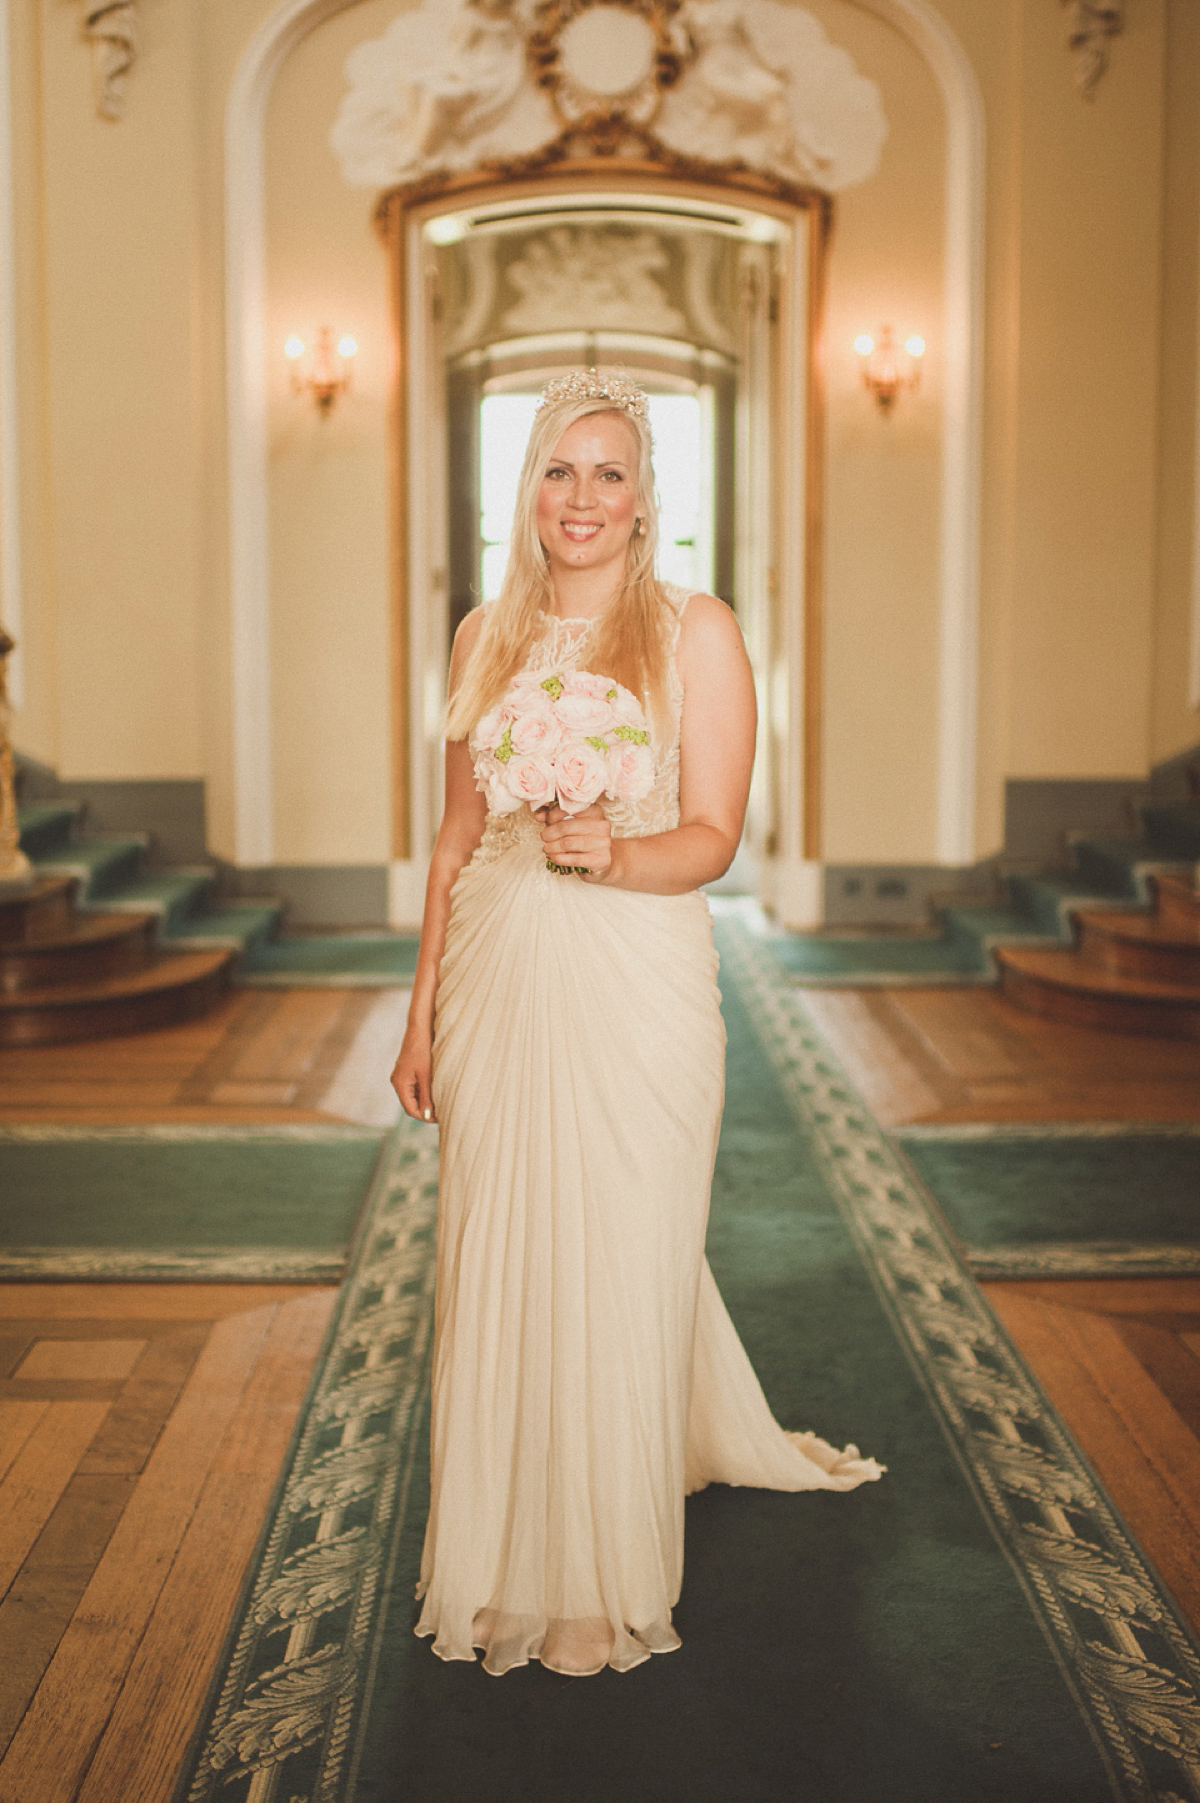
[{"x": 552, "y": 474}]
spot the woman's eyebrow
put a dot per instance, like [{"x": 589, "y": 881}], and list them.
[{"x": 609, "y": 463}]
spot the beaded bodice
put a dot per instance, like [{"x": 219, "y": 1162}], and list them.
[{"x": 563, "y": 645}]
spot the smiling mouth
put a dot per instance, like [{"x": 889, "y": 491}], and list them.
[{"x": 580, "y": 530}]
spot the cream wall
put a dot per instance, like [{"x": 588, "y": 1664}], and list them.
[
  {"x": 1089, "y": 279},
  {"x": 121, "y": 494},
  {"x": 1093, "y": 226},
  {"x": 120, "y": 327},
  {"x": 883, "y": 475},
  {"x": 330, "y": 521}
]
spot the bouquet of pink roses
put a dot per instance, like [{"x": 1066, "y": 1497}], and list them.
[{"x": 569, "y": 738}]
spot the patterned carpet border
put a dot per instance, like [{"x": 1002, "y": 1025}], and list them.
[
  {"x": 1131, "y": 1661},
  {"x": 1017, "y": 1130},
  {"x": 181, "y": 1264},
  {"x": 1082, "y": 1258},
  {"x": 297, "y": 1677},
  {"x": 185, "y": 1133}
]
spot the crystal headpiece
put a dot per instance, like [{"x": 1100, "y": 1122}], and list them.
[{"x": 587, "y": 385}]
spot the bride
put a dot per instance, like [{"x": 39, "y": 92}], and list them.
[{"x": 565, "y": 1032}]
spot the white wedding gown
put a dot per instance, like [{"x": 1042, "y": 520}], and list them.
[{"x": 586, "y": 1372}]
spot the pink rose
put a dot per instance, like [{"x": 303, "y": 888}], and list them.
[
  {"x": 630, "y": 771},
  {"x": 490, "y": 778},
  {"x": 536, "y": 731},
  {"x": 587, "y": 715},
  {"x": 491, "y": 729},
  {"x": 582, "y": 682},
  {"x": 530, "y": 779},
  {"x": 627, "y": 709},
  {"x": 580, "y": 773}
]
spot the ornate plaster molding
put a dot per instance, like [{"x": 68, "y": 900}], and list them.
[
  {"x": 111, "y": 25},
  {"x": 606, "y": 278},
  {"x": 1092, "y": 24},
  {"x": 460, "y": 83}
]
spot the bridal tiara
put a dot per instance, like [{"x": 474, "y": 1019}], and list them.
[{"x": 587, "y": 385}]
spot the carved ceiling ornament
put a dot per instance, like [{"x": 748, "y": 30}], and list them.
[
  {"x": 609, "y": 57},
  {"x": 1092, "y": 24},
  {"x": 457, "y": 85}
]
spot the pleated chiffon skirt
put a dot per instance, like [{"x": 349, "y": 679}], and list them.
[{"x": 586, "y": 1372}]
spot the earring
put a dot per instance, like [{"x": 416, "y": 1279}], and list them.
[{"x": 638, "y": 526}]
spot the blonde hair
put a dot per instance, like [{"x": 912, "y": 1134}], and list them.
[{"x": 630, "y": 642}]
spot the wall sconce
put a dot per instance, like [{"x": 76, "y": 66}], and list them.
[
  {"x": 326, "y": 374},
  {"x": 882, "y": 373}
]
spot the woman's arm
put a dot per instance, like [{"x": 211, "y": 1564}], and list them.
[
  {"x": 716, "y": 757},
  {"x": 459, "y": 834}
]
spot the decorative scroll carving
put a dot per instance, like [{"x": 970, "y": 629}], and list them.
[
  {"x": 460, "y": 84},
  {"x": 112, "y": 27},
  {"x": 1093, "y": 23}
]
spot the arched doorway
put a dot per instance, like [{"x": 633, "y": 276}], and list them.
[{"x": 708, "y": 290}]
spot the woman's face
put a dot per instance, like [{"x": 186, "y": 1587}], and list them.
[{"x": 587, "y": 502}]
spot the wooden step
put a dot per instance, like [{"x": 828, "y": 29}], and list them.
[
  {"x": 41, "y": 910},
  {"x": 177, "y": 986},
  {"x": 1140, "y": 945},
  {"x": 88, "y": 948},
  {"x": 1060, "y": 985},
  {"x": 1177, "y": 901}
]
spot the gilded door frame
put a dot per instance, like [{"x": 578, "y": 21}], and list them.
[{"x": 401, "y": 214}]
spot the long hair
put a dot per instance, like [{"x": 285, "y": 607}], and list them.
[{"x": 630, "y": 642}]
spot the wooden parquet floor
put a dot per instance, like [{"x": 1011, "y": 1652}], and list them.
[
  {"x": 262, "y": 1055},
  {"x": 143, "y": 1427},
  {"x": 968, "y": 1055},
  {"x": 1121, "y": 1361}
]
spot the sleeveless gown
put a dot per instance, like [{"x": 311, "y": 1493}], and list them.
[{"x": 586, "y": 1372}]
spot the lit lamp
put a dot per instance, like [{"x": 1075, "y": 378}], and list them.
[
  {"x": 883, "y": 373},
  {"x": 326, "y": 373}
]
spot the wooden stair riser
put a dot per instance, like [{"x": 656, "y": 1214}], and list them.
[
  {"x": 1155, "y": 1019},
  {"x": 127, "y": 946},
  {"x": 43, "y": 912},
  {"x": 104, "y": 1017},
  {"x": 1160, "y": 963},
  {"x": 1177, "y": 904}
]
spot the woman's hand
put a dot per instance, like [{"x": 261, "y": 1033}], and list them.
[
  {"x": 583, "y": 840},
  {"x": 413, "y": 1075}
]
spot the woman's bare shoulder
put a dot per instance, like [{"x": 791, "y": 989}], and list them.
[{"x": 708, "y": 624}]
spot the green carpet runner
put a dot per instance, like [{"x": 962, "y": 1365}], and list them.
[{"x": 979, "y": 1627}]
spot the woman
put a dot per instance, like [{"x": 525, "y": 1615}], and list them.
[{"x": 565, "y": 1031}]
